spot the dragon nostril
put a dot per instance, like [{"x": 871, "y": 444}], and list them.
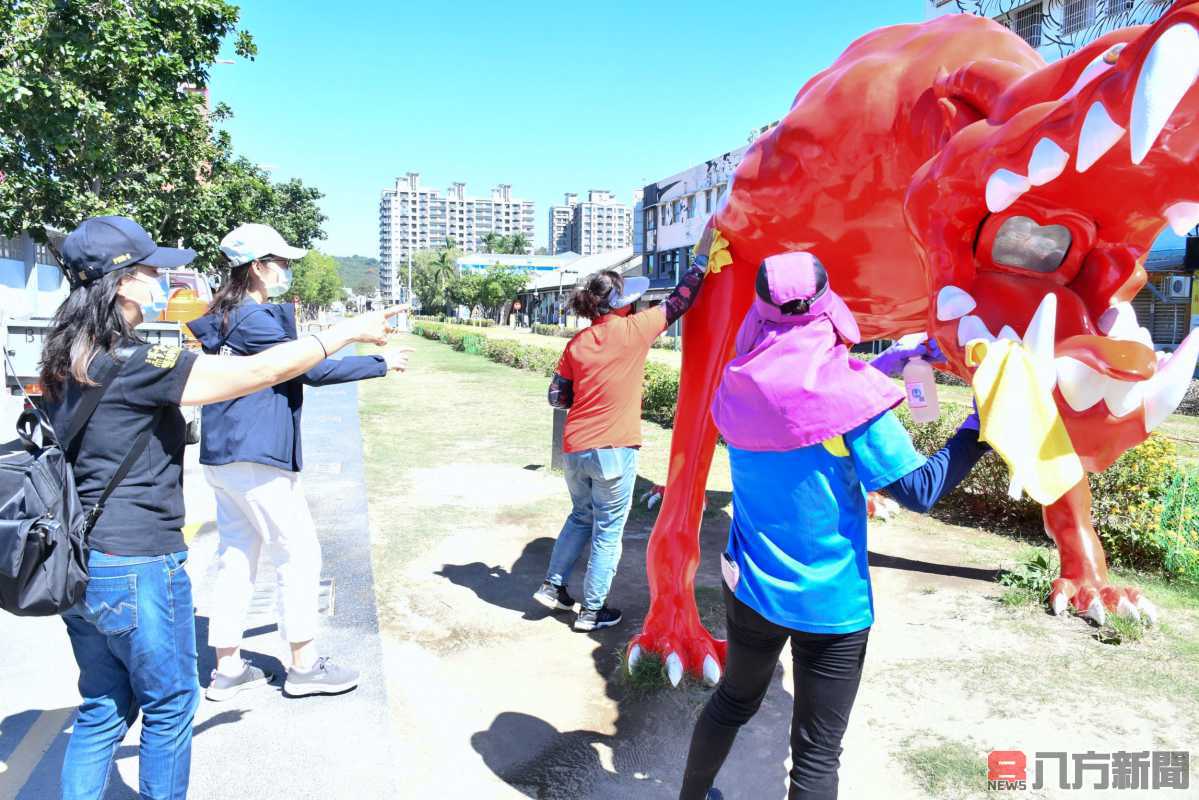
[{"x": 1113, "y": 53}]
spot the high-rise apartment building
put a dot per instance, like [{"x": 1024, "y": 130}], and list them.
[
  {"x": 413, "y": 217},
  {"x": 601, "y": 224},
  {"x": 560, "y": 221}
]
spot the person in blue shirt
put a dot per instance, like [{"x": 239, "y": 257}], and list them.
[
  {"x": 810, "y": 432},
  {"x": 250, "y": 449}
]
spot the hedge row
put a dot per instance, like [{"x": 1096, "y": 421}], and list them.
[
  {"x": 661, "y": 343},
  {"x": 1146, "y": 506},
  {"x": 442, "y": 318}
]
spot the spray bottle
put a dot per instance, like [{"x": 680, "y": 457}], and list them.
[{"x": 921, "y": 386}]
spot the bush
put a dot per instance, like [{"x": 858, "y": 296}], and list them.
[{"x": 1145, "y": 507}]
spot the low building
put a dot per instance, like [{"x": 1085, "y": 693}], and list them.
[
  {"x": 480, "y": 262},
  {"x": 544, "y": 299}
]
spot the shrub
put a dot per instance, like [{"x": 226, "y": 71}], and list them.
[{"x": 660, "y": 393}]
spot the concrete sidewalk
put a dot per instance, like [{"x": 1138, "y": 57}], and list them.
[{"x": 260, "y": 745}]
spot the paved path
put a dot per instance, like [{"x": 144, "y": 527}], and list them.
[{"x": 262, "y": 745}]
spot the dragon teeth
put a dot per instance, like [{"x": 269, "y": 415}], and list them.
[{"x": 1168, "y": 73}]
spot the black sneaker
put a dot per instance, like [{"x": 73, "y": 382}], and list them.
[
  {"x": 555, "y": 598},
  {"x": 589, "y": 620}
]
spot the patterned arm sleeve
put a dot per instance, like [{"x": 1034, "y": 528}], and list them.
[
  {"x": 562, "y": 392},
  {"x": 685, "y": 293}
]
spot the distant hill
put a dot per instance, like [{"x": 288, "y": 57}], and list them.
[{"x": 359, "y": 273}]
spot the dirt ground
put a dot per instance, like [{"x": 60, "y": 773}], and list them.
[{"x": 502, "y": 699}]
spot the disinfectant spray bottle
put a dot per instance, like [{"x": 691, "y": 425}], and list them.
[{"x": 921, "y": 386}]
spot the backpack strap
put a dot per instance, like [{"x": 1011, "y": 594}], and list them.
[
  {"x": 89, "y": 404},
  {"x": 135, "y": 452}
]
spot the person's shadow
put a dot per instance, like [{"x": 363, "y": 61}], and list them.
[{"x": 644, "y": 757}]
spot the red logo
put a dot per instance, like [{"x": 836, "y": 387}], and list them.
[{"x": 1007, "y": 765}]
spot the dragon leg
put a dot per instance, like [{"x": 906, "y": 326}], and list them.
[
  {"x": 672, "y": 627},
  {"x": 1084, "y": 580}
]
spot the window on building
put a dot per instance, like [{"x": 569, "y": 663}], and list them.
[
  {"x": 708, "y": 201},
  {"x": 1027, "y": 23},
  {"x": 692, "y": 202},
  {"x": 1114, "y": 8},
  {"x": 674, "y": 211},
  {"x": 1077, "y": 15}
]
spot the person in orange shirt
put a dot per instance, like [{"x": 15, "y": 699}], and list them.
[{"x": 599, "y": 381}]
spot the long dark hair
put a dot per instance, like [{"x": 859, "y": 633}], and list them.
[
  {"x": 231, "y": 294},
  {"x": 591, "y": 299},
  {"x": 87, "y": 323}
]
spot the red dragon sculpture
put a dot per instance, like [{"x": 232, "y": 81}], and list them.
[{"x": 954, "y": 183}]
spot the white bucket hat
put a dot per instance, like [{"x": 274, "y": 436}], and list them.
[
  {"x": 633, "y": 289},
  {"x": 253, "y": 241}
]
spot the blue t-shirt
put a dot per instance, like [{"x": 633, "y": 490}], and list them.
[{"x": 799, "y": 525}]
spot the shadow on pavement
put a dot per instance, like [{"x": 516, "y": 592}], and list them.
[
  {"x": 949, "y": 570},
  {"x": 207, "y": 656},
  {"x": 644, "y": 758}
]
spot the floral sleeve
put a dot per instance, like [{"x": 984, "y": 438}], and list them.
[
  {"x": 562, "y": 392},
  {"x": 685, "y": 293}
]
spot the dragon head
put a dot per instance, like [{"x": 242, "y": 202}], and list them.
[{"x": 1035, "y": 215}]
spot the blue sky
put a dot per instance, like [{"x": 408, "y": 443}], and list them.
[{"x": 550, "y": 97}]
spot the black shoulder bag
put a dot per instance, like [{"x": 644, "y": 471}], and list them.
[{"x": 43, "y": 525}]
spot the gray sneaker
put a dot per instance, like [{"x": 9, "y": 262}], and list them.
[
  {"x": 325, "y": 677},
  {"x": 223, "y": 687}
]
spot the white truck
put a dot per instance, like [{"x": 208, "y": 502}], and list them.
[{"x": 32, "y": 286}]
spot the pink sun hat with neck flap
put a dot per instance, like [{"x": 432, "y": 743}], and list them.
[{"x": 792, "y": 383}]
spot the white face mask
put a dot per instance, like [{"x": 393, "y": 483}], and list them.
[{"x": 282, "y": 281}]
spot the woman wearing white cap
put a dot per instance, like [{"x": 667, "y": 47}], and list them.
[
  {"x": 250, "y": 449},
  {"x": 599, "y": 380},
  {"x": 114, "y": 399}
]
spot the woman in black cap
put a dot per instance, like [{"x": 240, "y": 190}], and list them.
[{"x": 133, "y": 633}]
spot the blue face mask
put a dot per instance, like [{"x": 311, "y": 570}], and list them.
[
  {"x": 157, "y": 303},
  {"x": 282, "y": 284}
]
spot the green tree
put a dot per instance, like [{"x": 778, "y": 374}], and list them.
[
  {"x": 519, "y": 244},
  {"x": 494, "y": 243},
  {"x": 434, "y": 273},
  {"x": 240, "y": 191},
  {"x": 92, "y": 118},
  {"x": 360, "y": 273},
  {"x": 316, "y": 283},
  {"x": 499, "y": 285},
  {"x": 467, "y": 290}
]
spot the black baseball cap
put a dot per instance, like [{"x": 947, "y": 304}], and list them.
[{"x": 101, "y": 245}]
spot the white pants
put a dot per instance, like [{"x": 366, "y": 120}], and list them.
[{"x": 258, "y": 505}]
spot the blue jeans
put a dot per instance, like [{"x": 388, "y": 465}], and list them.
[
  {"x": 601, "y": 487},
  {"x": 134, "y": 637}
]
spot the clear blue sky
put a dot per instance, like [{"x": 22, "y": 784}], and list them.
[{"x": 550, "y": 97}]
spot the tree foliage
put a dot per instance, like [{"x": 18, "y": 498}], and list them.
[
  {"x": 516, "y": 244},
  {"x": 359, "y": 273},
  {"x": 315, "y": 282},
  {"x": 440, "y": 285},
  {"x": 104, "y": 110}
]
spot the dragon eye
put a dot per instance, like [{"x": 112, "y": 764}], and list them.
[
  {"x": 1023, "y": 244},
  {"x": 1113, "y": 53}
]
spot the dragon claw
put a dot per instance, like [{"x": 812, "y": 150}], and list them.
[
  {"x": 1126, "y": 609},
  {"x": 1095, "y": 612},
  {"x": 634, "y": 657},
  {"x": 674, "y": 668},
  {"x": 1148, "y": 611},
  {"x": 1059, "y": 603},
  {"x": 711, "y": 671}
]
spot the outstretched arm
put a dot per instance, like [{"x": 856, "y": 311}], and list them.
[{"x": 920, "y": 489}]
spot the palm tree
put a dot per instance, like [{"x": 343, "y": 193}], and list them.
[
  {"x": 493, "y": 243},
  {"x": 518, "y": 244},
  {"x": 445, "y": 268}
]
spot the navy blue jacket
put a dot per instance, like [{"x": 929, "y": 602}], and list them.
[{"x": 264, "y": 427}]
